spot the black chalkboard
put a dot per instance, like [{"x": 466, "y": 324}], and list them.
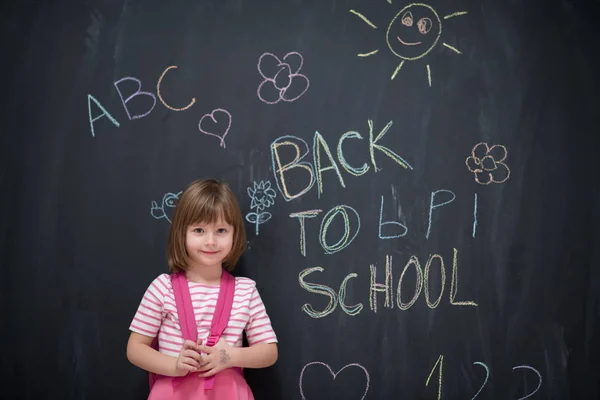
[{"x": 419, "y": 181}]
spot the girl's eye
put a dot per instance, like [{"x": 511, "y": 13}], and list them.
[
  {"x": 198, "y": 230},
  {"x": 222, "y": 230}
]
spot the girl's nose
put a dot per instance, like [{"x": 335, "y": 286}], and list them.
[{"x": 210, "y": 238}]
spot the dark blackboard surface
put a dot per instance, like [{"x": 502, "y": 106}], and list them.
[{"x": 87, "y": 187}]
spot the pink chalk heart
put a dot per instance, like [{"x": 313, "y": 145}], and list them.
[
  {"x": 212, "y": 129},
  {"x": 335, "y": 375}
]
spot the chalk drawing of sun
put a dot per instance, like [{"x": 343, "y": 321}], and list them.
[{"x": 412, "y": 33}]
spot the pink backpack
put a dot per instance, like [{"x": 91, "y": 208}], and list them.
[{"x": 187, "y": 320}]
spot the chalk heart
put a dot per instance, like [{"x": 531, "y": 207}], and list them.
[
  {"x": 334, "y": 375},
  {"x": 221, "y": 122}
]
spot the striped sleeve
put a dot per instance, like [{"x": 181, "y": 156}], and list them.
[
  {"x": 259, "y": 329},
  {"x": 150, "y": 312}
]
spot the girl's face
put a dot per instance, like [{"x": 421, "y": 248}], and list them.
[{"x": 207, "y": 245}]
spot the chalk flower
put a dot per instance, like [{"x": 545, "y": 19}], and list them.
[
  {"x": 282, "y": 78},
  {"x": 487, "y": 164},
  {"x": 262, "y": 195}
]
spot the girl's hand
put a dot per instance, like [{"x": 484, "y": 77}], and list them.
[
  {"x": 217, "y": 358},
  {"x": 189, "y": 359}
]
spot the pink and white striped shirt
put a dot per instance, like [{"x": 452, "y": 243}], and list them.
[{"x": 157, "y": 314}]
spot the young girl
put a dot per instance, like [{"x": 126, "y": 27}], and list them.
[{"x": 207, "y": 235}]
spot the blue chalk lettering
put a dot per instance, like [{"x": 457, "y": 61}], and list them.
[
  {"x": 432, "y": 206},
  {"x": 104, "y": 114},
  {"x": 381, "y": 224}
]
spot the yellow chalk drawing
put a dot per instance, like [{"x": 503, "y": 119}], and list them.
[
  {"x": 381, "y": 287},
  {"x": 422, "y": 284},
  {"x": 439, "y": 361},
  {"x": 350, "y": 310},
  {"x": 301, "y": 216},
  {"x": 429, "y": 75},
  {"x": 317, "y": 289},
  {"x": 419, "y": 282},
  {"x": 454, "y": 49},
  {"x": 368, "y": 54},
  {"x": 320, "y": 143},
  {"x": 346, "y": 239},
  {"x": 279, "y": 169},
  {"x": 397, "y": 69},
  {"x": 426, "y": 279},
  {"x": 454, "y": 284},
  {"x": 340, "y": 153},
  {"x": 385, "y": 150},
  {"x": 334, "y": 299},
  {"x": 412, "y": 34},
  {"x": 364, "y": 19},
  {"x": 456, "y": 14}
]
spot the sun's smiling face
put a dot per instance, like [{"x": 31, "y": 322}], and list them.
[{"x": 414, "y": 31}]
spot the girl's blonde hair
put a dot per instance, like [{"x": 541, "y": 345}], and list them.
[{"x": 204, "y": 201}]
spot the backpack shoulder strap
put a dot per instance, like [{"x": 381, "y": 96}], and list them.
[
  {"x": 185, "y": 310},
  {"x": 185, "y": 314},
  {"x": 223, "y": 308},
  {"x": 221, "y": 316}
]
